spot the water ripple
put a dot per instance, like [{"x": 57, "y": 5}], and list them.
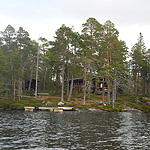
[{"x": 74, "y": 130}]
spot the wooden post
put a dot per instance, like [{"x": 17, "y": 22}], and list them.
[
  {"x": 51, "y": 110},
  {"x": 58, "y": 110},
  {"x": 29, "y": 110}
]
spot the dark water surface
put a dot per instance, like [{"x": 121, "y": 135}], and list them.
[{"x": 74, "y": 130}]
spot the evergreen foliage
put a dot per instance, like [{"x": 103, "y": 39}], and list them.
[{"x": 96, "y": 52}]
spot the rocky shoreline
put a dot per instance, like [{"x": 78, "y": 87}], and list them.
[
  {"x": 82, "y": 110},
  {"x": 122, "y": 104}
]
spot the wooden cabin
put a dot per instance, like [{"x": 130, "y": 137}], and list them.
[
  {"x": 96, "y": 86},
  {"x": 33, "y": 84},
  {"x": 98, "y": 83},
  {"x": 77, "y": 84}
]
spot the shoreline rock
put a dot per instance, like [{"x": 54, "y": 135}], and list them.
[
  {"x": 131, "y": 110},
  {"x": 95, "y": 110},
  {"x": 145, "y": 98}
]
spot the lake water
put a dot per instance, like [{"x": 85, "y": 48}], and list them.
[{"x": 74, "y": 131}]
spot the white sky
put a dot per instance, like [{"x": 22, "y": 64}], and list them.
[{"x": 44, "y": 17}]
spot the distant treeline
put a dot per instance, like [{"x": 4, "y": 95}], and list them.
[{"x": 97, "y": 51}]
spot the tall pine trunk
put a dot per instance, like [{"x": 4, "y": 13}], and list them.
[
  {"x": 63, "y": 72},
  {"x": 85, "y": 70},
  {"x": 44, "y": 79},
  {"x": 108, "y": 95},
  {"x": 57, "y": 79},
  {"x": 14, "y": 90},
  {"x": 135, "y": 86},
  {"x": 29, "y": 88},
  {"x": 71, "y": 87},
  {"x": 114, "y": 93},
  {"x": 108, "y": 91},
  {"x": 67, "y": 82},
  {"x": 115, "y": 89},
  {"x": 84, "y": 93},
  {"x": 103, "y": 92},
  {"x": 19, "y": 89},
  {"x": 72, "y": 77},
  {"x": 144, "y": 82},
  {"x": 88, "y": 88},
  {"x": 113, "y": 97}
]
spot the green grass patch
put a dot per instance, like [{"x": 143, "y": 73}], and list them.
[
  {"x": 121, "y": 102},
  {"x": 83, "y": 106}
]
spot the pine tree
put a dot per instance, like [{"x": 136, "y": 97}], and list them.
[
  {"x": 148, "y": 71},
  {"x": 62, "y": 44},
  {"x": 9, "y": 40},
  {"x": 91, "y": 35},
  {"x": 3, "y": 72},
  {"x": 16, "y": 72},
  {"x": 22, "y": 39},
  {"x": 110, "y": 39},
  {"x": 73, "y": 61},
  {"x": 31, "y": 61},
  {"x": 44, "y": 61},
  {"x": 138, "y": 61}
]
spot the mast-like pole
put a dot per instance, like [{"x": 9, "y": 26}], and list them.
[{"x": 37, "y": 72}]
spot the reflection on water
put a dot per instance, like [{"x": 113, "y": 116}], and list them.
[
  {"x": 134, "y": 131},
  {"x": 74, "y": 130}
]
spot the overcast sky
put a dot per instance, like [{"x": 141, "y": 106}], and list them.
[{"x": 44, "y": 17}]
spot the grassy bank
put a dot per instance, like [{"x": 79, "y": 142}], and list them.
[{"x": 122, "y": 102}]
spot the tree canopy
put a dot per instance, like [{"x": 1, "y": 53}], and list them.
[{"x": 96, "y": 52}]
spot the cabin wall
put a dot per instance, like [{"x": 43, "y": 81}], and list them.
[{"x": 96, "y": 85}]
